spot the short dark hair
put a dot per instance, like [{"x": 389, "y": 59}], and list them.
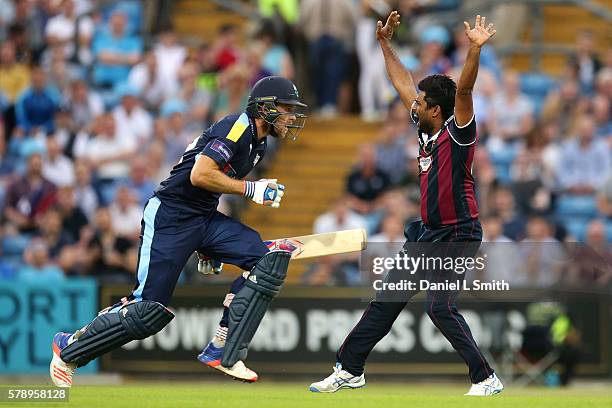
[{"x": 439, "y": 90}]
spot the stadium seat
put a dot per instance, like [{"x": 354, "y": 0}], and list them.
[
  {"x": 576, "y": 206},
  {"x": 577, "y": 228},
  {"x": 537, "y": 85}
]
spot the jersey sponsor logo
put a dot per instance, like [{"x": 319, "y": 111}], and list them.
[
  {"x": 257, "y": 157},
  {"x": 220, "y": 147},
  {"x": 424, "y": 163},
  {"x": 253, "y": 278}
]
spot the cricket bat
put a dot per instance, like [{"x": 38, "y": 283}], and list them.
[
  {"x": 302, "y": 247},
  {"x": 330, "y": 243}
]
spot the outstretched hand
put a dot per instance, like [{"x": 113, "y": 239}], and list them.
[
  {"x": 385, "y": 33},
  {"x": 479, "y": 34}
]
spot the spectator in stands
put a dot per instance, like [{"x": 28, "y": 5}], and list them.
[
  {"x": 14, "y": 76},
  {"x": 225, "y": 50},
  {"x": 392, "y": 230},
  {"x": 341, "y": 217},
  {"x": 84, "y": 104},
  {"x": 198, "y": 100},
  {"x": 60, "y": 74},
  {"x": 529, "y": 191},
  {"x": 339, "y": 269},
  {"x": 7, "y": 14},
  {"x": 145, "y": 78},
  {"x": 172, "y": 130},
  {"x": 329, "y": 41},
  {"x": 85, "y": 194},
  {"x": 115, "y": 52},
  {"x": 584, "y": 160},
  {"x": 284, "y": 16},
  {"x": 38, "y": 267},
  {"x": 543, "y": 256},
  {"x": 562, "y": 106},
  {"x": 276, "y": 59},
  {"x": 512, "y": 114},
  {"x": 61, "y": 30},
  {"x": 109, "y": 150},
  {"x": 366, "y": 182},
  {"x": 57, "y": 168},
  {"x": 170, "y": 57},
  {"x": 591, "y": 262},
  {"x": 134, "y": 120},
  {"x": 125, "y": 214},
  {"x": 139, "y": 182},
  {"x": 234, "y": 85},
  {"x": 603, "y": 82},
  {"x": 434, "y": 39},
  {"x": 73, "y": 218},
  {"x": 52, "y": 234},
  {"x": 502, "y": 254},
  {"x": 109, "y": 256},
  {"x": 391, "y": 151},
  {"x": 504, "y": 204},
  {"x": 35, "y": 107},
  {"x": 29, "y": 196},
  {"x": 585, "y": 60},
  {"x": 545, "y": 145},
  {"x": 372, "y": 75},
  {"x": 603, "y": 119}
]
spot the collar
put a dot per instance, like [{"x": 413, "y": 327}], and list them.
[{"x": 425, "y": 139}]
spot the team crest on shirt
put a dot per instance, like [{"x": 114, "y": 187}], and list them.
[{"x": 424, "y": 163}]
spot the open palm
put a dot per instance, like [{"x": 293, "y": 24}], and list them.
[
  {"x": 479, "y": 34},
  {"x": 385, "y": 32}
]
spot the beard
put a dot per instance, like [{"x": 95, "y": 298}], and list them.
[{"x": 425, "y": 127}]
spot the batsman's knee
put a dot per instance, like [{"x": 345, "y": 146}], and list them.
[
  {"x": 248, "y": 307},
  {"x": 108, "y": 331}
]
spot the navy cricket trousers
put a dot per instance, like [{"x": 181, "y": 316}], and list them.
[
  {"x": 169, "y": 237},
  {"x": 440, "y": 305}
]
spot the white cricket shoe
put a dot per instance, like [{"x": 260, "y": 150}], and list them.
[
  {"x": 238, "y": 371},
  {"x": 61, "y": 373},
  {"x": 487, "y": 387},
  {"x": 337, "y": 380}
]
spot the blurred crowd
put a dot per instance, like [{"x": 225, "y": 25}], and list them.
[{"x": 96, "y": 106}]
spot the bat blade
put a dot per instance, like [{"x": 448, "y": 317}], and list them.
[{"x": 315, "y": 245}]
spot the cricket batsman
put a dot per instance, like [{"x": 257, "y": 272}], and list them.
[
  {"x": 181, "y": 217},
  {"x": 444, "y": 114}
]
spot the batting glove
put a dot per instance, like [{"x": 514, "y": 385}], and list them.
[{"x": 265, "y": 192}]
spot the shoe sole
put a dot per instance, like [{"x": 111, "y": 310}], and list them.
[
  {"x": 55, "y": 376},
  {"x": 343, "y": 387},
  {"x": 216, "y": 364}
]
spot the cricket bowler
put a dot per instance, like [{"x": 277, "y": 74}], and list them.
[{"x": 443, "y": 112}]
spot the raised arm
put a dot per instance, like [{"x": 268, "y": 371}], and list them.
[
  {"x": 399, "y": 75},
  {"x": 464, "y": 109}
]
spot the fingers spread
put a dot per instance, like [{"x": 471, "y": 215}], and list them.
[{"x": 466, "y": 25}]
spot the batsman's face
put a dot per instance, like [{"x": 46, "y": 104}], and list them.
[{"x": 286, "y": 119}]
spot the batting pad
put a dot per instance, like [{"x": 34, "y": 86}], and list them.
[{"x": 250, "y": 304}]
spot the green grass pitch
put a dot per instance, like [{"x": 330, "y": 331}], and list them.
[{"x": 268, "y": 394}]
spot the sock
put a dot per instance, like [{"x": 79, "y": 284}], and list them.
[{"x": 220, "y": 336}]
